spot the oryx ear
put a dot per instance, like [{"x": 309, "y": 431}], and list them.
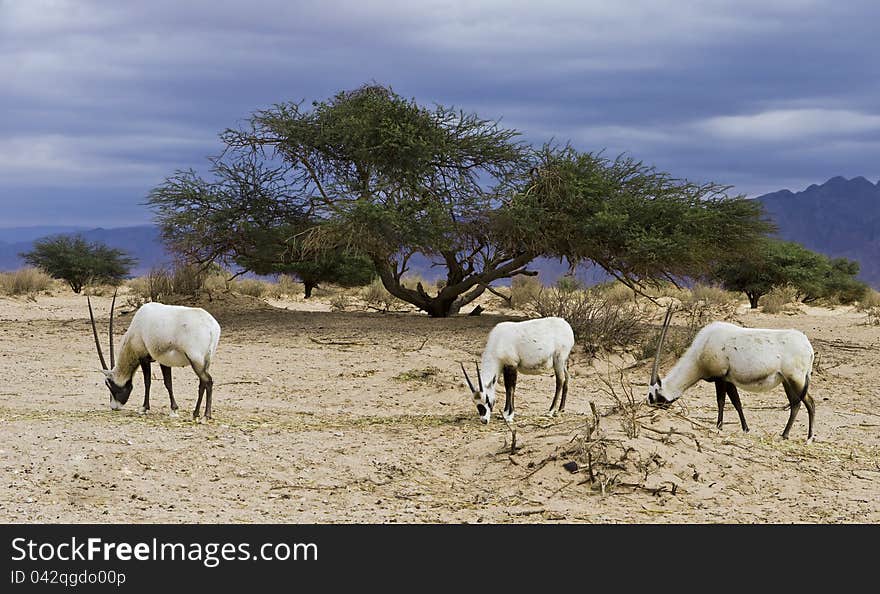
[{"x": 659, "y": 382}]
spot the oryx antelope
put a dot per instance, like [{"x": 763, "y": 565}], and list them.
[
  {"x": 173, "y": 335},
  {"x": 754, "y": 359},
  {"x": 531, "y": 347}
]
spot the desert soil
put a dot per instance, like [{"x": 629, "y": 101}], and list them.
[{"x": 324, "y": 416}]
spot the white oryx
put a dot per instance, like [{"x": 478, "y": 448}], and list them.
[
  {"x": 754, "y": 359},
  {"x": 173, "y": 335},
  {"x": 531, "y": 347}
]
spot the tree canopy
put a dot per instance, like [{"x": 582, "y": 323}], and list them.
[
  {"x": 774, "y": 262},
  {"x": 78, "y": 262},
  {"x": 370, "y": 173}
]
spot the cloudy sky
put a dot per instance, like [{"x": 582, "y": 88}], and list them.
[{"x": 100, "y": 100}]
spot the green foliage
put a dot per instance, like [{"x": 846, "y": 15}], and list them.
[
  {"x": 776, "y": 263},
  {"x": 78, "y": 262},
  {"x": 637, "y": 223},
  {"x": 375, "y": 176}
]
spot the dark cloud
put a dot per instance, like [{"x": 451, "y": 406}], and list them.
[{"x": 101, "y": 100}]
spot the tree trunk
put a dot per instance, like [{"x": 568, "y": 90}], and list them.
[
  {"x": 309, "y": 286},
  {"x": 460, "y": 288},
  {"x": 753, "y": 299}
]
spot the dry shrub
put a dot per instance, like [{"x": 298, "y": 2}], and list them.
[
  {"x": 713, "y": 296},
  {"x": 870, "y": 300},
  {"x": 249, "y": 286},
  {"x": 285, "y": 286},
  {"x": 340, "y": 302},
  {"x": 617, "y": 292},
  {"x": 679, "y": 336},
  {"x": 626, "y": 402},
  {"x": 607, "y": 462},
  {"x": 523, "y": 290},
  {"x": 411, "y": 281},
  {"x": 217, "y": 282},
  {"x": 376, "y": 296},
  {"x": 598, "y": 324},
  {"x": 778, "y": 298},
  {"x": 26, "y": 281}
]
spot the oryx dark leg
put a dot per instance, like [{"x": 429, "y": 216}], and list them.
[
  {"x": 206, "y": 386},
  {"x": 737, "y": 404},
  {"x": 209, "y": 389},
  {"x": 811, "y": 406},
  {"x": 166, "y": 376},
  {"x": 564, "y": 390},
  {"x": 811, "y": 411},
  {"x": 559, "y": 369},
  {"x": 145, "y": 368},
  {"x": 794, "y": 402},
  {"x": 720, "y": 389},
  {"x": 509, "y": 389}
]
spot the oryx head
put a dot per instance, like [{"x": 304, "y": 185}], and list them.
[
  {"x": 484, "y": 398},
  {"x": 655, "y": 389},
  {"x": 118, "y": 394}
]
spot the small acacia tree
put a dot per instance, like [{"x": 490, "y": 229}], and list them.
[
  {"x": 78, "y": 262},
  {"x": 774, "y": 262},
  {"x": 381, "y": 176}
]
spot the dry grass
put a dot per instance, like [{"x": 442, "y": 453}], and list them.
[
  {"x": 26, "y": 281},
  {"x": 285, "y": 286},
  {"x": 523, "y": 290},
  {"x": 376, "y": 296},
  {"x": 779, "y": 299},
  {"x": 598, "y": 324},
  {"x": 871, "y": 300}
]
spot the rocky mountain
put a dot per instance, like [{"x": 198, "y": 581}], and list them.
[{"x": 840, "y": 218}]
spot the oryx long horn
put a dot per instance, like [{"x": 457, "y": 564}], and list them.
[
  {"x": 479, "y": 377},
  {"x": 470, "y": 385},
  {"x": 656, "y": 368},
  {"x": 112, "y": 307},
  {"x": 95, "y": 333}
]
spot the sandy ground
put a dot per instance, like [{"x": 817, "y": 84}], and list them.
[{"x": 363, "y": 417}]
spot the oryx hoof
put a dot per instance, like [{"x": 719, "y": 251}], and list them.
[
  {"x": 173, "y": 414},
  {"x": 143, "y": 411}
]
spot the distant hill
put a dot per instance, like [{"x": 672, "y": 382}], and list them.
[
  {"x": 840, "y": 218},
  {"x": 141, "y": 242}
]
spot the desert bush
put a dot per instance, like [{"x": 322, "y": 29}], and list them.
[
  {"x": 870, "y": 300},
  {"x": 340, "y": 302},
  {"x": 26, "y": 281},
  {"x": 376, "y": 296},
  {"x": 690, "y": 319},
  {"x": 873, "y": 314},
  {"x": 284, "y": 286},
  {"x": 778, "y": 298},
  {"x": 249, "y": 286},
  {"x": 616, "y": 292},
  {"x": 523, "y": 289},
  {"x": 712, "y": 295},
  {"x": 599, "y": 325}
]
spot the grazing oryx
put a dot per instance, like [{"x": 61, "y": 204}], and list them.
[
  {"x": 754, "y": 359},
  {"x": 173, "y": 335},
  {"x": 532, "y": 347}
]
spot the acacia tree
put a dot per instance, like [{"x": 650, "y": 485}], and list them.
[
  {"x": 78, "y": 262},
  {"x": 245, "y": 216},
  {"x": 774, "y": 262},
  {"x": 388, "y": 178}
]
